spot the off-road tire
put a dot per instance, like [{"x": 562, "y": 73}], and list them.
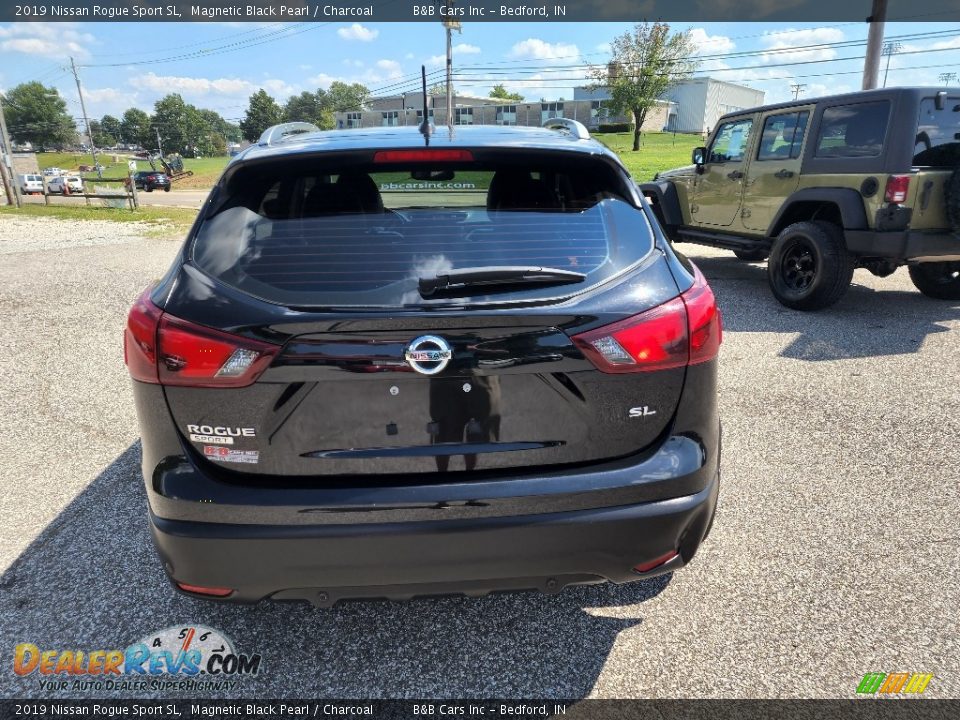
[
  {"x": 809, "y": 266},
  {"x": 752, "y": 255},
  {"x": 952, "y": 198},
  {"x": 939, "y": 280}
]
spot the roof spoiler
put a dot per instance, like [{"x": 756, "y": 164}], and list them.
[
  {"x": 573, "y": 128},
  {"x": 284, "y": 131}
]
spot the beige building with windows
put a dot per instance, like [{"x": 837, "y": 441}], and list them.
[{"x": 407, "y": 110}]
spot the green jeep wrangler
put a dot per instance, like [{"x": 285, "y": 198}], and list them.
[{"x": 869, "y": 179}]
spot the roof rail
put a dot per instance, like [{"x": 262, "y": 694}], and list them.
[
  {"x": 573, "y": 128},
  {"x": 284, "y": 131}
]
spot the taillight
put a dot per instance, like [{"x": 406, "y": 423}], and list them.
[
  {"x": 162, "y": 348},
  {"x": 897, "y": 187},
  {"x": 140, "y": 339},
  {"x": 706, "y": 324},
  {"x": 683, "y": 331}
]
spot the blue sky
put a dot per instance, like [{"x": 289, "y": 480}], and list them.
[{"x": 118, "y": 70}]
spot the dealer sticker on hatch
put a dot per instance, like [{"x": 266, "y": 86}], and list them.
[{"x": 229, "y": 455}]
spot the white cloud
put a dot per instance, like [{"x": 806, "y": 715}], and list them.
[
  {"x": 322, "y": 80},
  {"x": 465, "y": 49},
  {"x": 390, "y": 67},
  {"x": 53, "y": 40},
  {"x": 198, "y": 86},
  {"x": 436, "y": 60},
  {"x": 358, "y": 32},
  {"x": 707, "y": 44},
  {"x": 537, "y": 49},
  {"x": 105, "y": 95},
  {"x": 409, "y": 56},
  {"x": 787, "y": 39}
]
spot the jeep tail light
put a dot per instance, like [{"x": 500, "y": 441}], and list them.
[
  {"x": 684, "y": 331},
  {"x": 897, "y": 187},
  {"x": 162, "y": 348}
]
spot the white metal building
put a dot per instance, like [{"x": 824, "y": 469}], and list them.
[{"x": 698, "y": 102}]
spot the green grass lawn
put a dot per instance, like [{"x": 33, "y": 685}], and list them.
[
  {"x": 206, "y": 170},
  {"x": 658, "y": 151},
  {"x": 167, "y": 221}
]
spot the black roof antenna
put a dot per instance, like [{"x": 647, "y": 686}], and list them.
[{"x": 425, "y": 127}]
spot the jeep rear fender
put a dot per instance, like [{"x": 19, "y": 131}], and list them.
[
  {"x": 840, "y": 205},
  {"x": 665, "y": 202}
]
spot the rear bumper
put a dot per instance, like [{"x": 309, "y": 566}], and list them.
[
  {"x": 903, "y": 244},
  {"x": 327, "y": 563}
]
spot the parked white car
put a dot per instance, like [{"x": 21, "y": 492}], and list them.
[
  {"x": 57, "y": 184},
  {"x": 52, "y": 172},
  {"x": 31, "y": 183}
]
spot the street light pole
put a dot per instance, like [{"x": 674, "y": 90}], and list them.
[
  {"x": 6, "y": 166},
  {"x": 889, "y": 49},
  {"x": 871, "y": 63},
  {"x": 86, "y": 121}
]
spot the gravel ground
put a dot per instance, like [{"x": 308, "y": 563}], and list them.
[{"x": 834, "y": 553}]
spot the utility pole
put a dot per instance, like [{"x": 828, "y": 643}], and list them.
[
  {"x": 890, "y": 48},
  {"x": 947, "y": 77},
  {"x": 86, "y": 120},
  {"x": 797, "y": 89},
  {"x": 10, "y": 183},
  {"x": 450, "y": 25},
  {"x": 871, "y": 63}
]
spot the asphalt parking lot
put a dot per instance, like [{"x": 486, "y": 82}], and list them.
[{"x": 835, "y": 552}]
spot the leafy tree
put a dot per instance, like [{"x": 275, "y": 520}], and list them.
[
  {"x": 310, "y": 107},
  {"x": 135, "y": 128},
  {"x": 219, "y": 133},
  {"x": 343, "y": 97},
  {"x": 262, "y": 112},
  {"x": 171, "y": 119},
  {"x": 111, "y": 127},
  {"x": 645, "y": 62},
  {"x": 437, "y": 89},
  {"x": 101, "y": 138},
  {"x": 499, "y": 92},
  {"x": 38, "y": 115}
]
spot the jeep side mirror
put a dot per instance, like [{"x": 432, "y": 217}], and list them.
[{"x": 699, "y": 156}]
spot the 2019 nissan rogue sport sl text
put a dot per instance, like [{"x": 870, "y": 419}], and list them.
[{"x": 386, "y": 364}]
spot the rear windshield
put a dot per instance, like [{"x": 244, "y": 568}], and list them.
[
  {"x": 938, "y": 134},
  {"x": 310, "y": 232}
]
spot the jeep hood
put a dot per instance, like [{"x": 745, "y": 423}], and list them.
[{"x": 685, "y": 171}]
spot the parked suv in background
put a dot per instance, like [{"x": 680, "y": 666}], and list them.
[
  {"x": 387, "y": 365},
  {"x": 151, "y": 180},
  {"x": 65, "y": 184},
  {"x": 868, "y": 180}
]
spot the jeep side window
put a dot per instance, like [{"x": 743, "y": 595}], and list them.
[
  {"x": 783, "y": 136},
  {"x": 938, "y": 134},
  {"x": 853, "y": 130},
  {"x": 731, "y": 141}
]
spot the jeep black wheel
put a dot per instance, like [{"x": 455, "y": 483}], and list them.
[
  {"x": 809, "y": 267},
  {"x": 937, "y": 280},
  {"x": 752, "y": 255}
]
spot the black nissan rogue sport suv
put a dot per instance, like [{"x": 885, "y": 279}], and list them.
[{"x": 389, "y": 364}]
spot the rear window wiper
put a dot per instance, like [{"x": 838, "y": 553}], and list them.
[{"x": 455, "y": 281}]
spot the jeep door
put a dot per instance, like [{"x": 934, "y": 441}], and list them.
[
  {"x": 720, "y": 186},
  {"x": 774, "y": 173}
]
